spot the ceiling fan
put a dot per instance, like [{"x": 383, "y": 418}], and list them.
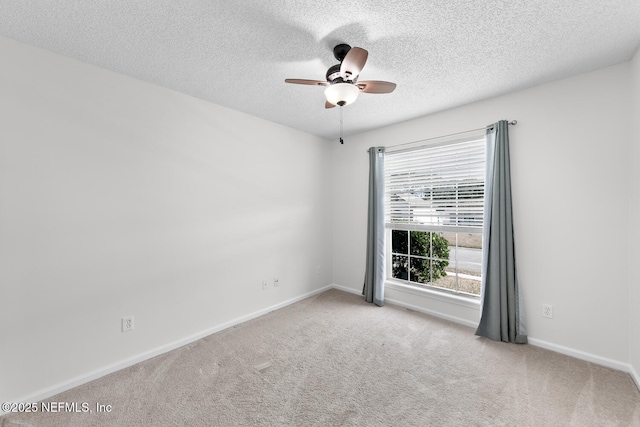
[{"x": 342, "y": 82}]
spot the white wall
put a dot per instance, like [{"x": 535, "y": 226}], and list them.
[
  {"x": 570, "y": 191},
  {"x": 634, "y": 224},
  {"x": 118, "y": 197}
]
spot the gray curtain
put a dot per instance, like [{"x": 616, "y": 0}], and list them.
[
  {"x": 373, "y": 290},
  {"x": 502, "y": 315}
]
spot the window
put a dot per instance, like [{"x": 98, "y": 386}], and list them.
[{"x": 434, "y": 215}]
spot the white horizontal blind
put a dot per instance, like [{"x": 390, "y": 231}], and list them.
[{"x": 436, "y": 188}]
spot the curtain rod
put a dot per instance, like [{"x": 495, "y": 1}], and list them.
[{"x": 512, "y": 123}]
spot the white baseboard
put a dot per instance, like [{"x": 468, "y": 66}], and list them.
[
  {"x": 589, "y": 357},
  {"x": 90, "y": 376},
  {"x": 437, "y": 314},
  {"x": 634, "y": 376},
  {"x": 345, "y": 289},
  {"x": 412, "y": 307}
]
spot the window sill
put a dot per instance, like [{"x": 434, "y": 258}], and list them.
[{"x": 465, "y": 301}]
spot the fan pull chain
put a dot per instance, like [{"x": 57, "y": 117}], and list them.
[{"x": 341, "y": 127}]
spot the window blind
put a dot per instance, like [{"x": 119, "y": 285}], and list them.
[{"x": 437, "y": 188}]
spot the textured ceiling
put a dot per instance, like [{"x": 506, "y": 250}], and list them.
[{"x": 441, "y": 53}]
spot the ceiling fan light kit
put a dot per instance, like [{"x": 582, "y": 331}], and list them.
[{"x": 341, "y": 93}]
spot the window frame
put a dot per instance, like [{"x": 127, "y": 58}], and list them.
[{"x": 409, "y": 225}]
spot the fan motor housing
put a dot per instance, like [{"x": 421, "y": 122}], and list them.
[{"x": 333, "y": 74}]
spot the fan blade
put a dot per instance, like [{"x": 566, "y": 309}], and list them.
[
  {"x": 327, "y": 104},
  {"x": 352, "y": 63},
  {"x": 307, "y": 82},
  {"x": 376, "y": 86}
]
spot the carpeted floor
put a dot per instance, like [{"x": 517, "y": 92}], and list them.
[{"x": 333, "y": 360}]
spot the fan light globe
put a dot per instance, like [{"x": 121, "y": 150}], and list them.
[{"x": 341, "y": 93}]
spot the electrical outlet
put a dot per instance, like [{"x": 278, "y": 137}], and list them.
[
  {"x": 265, "y": 285},
  {"x": 127, "y": 324},
  {"x": 276, "y": 282},
  {"x": 547, "y": 310}
]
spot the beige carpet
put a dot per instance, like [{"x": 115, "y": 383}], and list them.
[{"x": 334, "y": 360}]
